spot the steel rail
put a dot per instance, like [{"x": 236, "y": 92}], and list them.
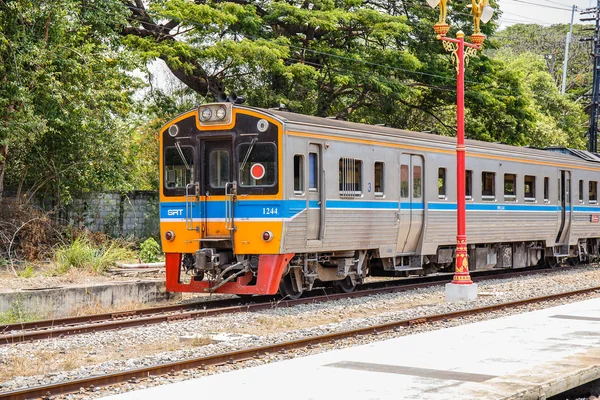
[
  {"x": 242, "y": 355},
  {"x": 157, "y": 319},
  {"x": 87, "y": 319},
  {"x": 156, "y": 315}
]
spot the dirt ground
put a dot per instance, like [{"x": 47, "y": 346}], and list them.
[{"x": 42, "y": 278}]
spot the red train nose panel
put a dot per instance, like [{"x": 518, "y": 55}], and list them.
[{"x": 270, "y": 270}]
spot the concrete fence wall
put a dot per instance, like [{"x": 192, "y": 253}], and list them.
[{"x": 115, "y": 213}]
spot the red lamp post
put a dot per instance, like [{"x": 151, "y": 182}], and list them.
[
  {"x": 457, "y": 46},
  {"x": 461, "y": 287}
]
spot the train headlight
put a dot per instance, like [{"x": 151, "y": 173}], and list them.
[
  {"x": 206, "y": 114},
  {"x": 267, "y": 236},
  {"x": 169, "y": 236},
  {"x": 221, "y": 113},
  {"x": 215, "y": 114}
]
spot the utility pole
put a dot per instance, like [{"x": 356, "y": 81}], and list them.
[
  {"x": 593, "y": 131},
  {"x": 566, "y": 61}
]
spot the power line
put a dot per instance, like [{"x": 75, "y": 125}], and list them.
[
  {"x": 501, "y": 19},
  {"x": 524, "y": 19},
  {"x": 541, "y": 5},
  {"x": 561, "y": 4}
]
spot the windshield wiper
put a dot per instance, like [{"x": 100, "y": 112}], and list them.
[
  {"x": 248, "y": 153},
  {"x": 178, "y": 146}
]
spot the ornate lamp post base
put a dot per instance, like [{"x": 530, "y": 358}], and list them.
[
  {"x": 460, "y": 292},
  {"x": 477, "y": 38},
  {"x": 441, "y": 29}
]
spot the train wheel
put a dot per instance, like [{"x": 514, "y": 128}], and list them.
[
  {"x": 574, "y": 261},
  {"x": 551, "y": 262},
  {"x": 287, "y": 289},
  {"x": 345, "y": 285}
]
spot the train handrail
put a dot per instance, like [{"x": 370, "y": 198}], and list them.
[
  {"x": 230, "y": 194},
  {"x": 189, "y": 208}
]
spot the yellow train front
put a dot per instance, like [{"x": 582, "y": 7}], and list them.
[{"x": 221, "y": 208}]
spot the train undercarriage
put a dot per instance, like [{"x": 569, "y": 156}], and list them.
[{"x": 298, "y": 273}]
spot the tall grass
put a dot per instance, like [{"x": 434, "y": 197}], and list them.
[{"x": 83, "y": 254}]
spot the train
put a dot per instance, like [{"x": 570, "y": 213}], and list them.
[{"x": 260, "y": 201}]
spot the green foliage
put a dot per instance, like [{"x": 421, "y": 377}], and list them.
[
  {"x": 370, "y": 62},
  {"x": 274, "y": 52},
  {"x": 83, "y": 254},
  {"x": 557, "y": 120},
  {"x": 27, "y": 272},
  {"x": 150, "y": 251},
  {"x": 66, "y": 96},
  {"x": 69, "y": 120},
  {"x": 548, "y": 43},
  {"x": 17, "y": 312},
  {"x": 15, "y": 316}
]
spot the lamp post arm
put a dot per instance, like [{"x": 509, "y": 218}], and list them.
[{"x": 451, "y": 40}]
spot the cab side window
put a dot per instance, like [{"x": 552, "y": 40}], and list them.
[
  {"x": 298, "y": 174},
  {"x": 350, "y": 177},
  {"x": 379, "y": 180},
  {"x": 488, "y": 185}
]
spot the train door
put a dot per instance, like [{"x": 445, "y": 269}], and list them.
[
  {"x": 411, "y": 203},
  {"x": 217, "y": 170},
  {"x": 564, "y": 201},
  {"x": 315, "y": 193}
]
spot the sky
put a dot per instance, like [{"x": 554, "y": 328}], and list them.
[{"x": 542, "y": 12}]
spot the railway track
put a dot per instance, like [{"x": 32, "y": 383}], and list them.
[
  {"x": 56, "y": 328},
  {"x": 257, "y": 352}
]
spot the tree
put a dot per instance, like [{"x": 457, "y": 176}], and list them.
[
  {"x": 370, "y": 61},
  {"x": 312, "y": 56},
  {"x": 559, "y": 121},
  {"x": 64, "y": 95},
  {"x": 549, "y": 43}
]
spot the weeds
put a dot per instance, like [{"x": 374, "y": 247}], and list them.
[
  {"x": 200, "y": 341},
  {"x": 26, "y": 233},
  {"x": 35, "y": 363},
  {"x": 17, "y": 313},
  {"x": 84, "y": 254},
  {"x": 15, "y": 316},
  {"x": 150, "y": 251},
  {"x": 27, "y": 272}
]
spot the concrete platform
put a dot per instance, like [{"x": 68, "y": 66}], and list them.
[
  {"x": 62, "y": 301},
  {"x": 527, "y": 356}
]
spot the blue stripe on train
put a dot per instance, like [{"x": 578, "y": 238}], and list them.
[
  {"x": 494, "y": 207},
  {"x": 285, "y": 209},
  {"x": 593, "y": 209},
  {"x": 271, "y": 209}
]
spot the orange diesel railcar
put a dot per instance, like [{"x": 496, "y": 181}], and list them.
[{"x": 254, "y": 201}]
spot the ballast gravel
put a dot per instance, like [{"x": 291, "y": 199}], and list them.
[{"x": 155, "y": 344}]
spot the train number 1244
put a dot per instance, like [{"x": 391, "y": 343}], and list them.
[{"x": 270, "y": 211}]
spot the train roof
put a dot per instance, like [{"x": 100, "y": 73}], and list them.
[
  {"x": 583, "y": 154},
  {"x": 557, "y": 153}
]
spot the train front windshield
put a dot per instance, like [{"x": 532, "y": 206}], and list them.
[
  {"x": 257, "y": 164},
  {"x": 210, "y": 158}
]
